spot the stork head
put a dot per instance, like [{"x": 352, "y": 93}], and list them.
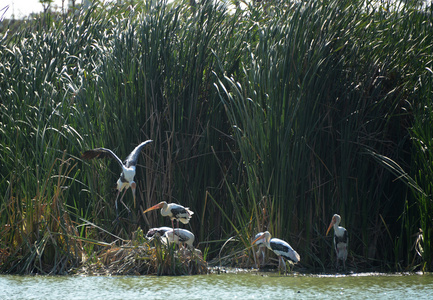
[
  {"x": 159, "y": 205},
  {"x": 335, "y": 221},
  {"x": 266, "y": 236},
  {"x": 258, "y": 242}
]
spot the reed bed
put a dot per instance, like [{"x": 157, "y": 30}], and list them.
[
  {"x": 273, "y": 116},
  {"x": 142, "y": 257}
]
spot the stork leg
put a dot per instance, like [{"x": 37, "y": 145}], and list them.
[
  {"x": 121, "y": 200},
  {"x": 279, "y": 264},
  {"x": 260, "y": 254},
  {"x": 180, "y": 243},
  {"x": 336, "y": 251},
  {"x": 256, "y": 259},
  {"x": 284, "y": 263},
  {"x": 117, "y": 209}
]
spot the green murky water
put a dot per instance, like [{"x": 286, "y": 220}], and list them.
[{"x": 223, "y": 286}]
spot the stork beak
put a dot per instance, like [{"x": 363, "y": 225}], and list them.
[
  {"x": 259, "y": 238},
  {"x": 330, "y": 225},
  {"x": 159, "y": 205}
]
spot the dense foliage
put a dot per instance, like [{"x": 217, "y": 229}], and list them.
[{"x": 270, "y": 117}]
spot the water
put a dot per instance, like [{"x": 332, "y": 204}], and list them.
[{"x": 223, "y": 286}]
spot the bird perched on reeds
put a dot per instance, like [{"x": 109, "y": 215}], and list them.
[
  {"x": 341, "y": 239},
  {"x": 126, "y": 179},
  {"x": 174, "y": 212},
  {"x": 281, "y": 248}
]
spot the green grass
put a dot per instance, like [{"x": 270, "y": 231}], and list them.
[{"x": 272, "y": 118}]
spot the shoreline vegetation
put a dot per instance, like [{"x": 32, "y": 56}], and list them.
[{"x": 265, "y": 116}]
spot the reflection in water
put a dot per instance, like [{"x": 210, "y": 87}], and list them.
[{"x": 224, "y": 286}]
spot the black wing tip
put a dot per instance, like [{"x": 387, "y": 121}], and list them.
[
  {"x": 94, "y": 153},
  {"x": 89, "y": 154}
]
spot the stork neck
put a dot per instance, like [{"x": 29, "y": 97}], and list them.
[
  {"x": 121, "y": 183},
  {"x": 338, "y": 230}
]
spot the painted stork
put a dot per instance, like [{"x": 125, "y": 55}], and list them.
[
  {"x": 157, "y": 232},
  {"x": 341, "y": 240},
  {"x": 261, "y": 244},
  {"x": 280, "y": 248},
  {"x": 179, "y": 236},
  {"x": 127, "y": 175},
  {"x": 174, "y": 211}
]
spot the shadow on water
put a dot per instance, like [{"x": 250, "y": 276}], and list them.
[{"x": 244, "y": 285}]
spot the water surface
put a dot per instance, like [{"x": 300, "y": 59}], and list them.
[{"x": 220, "y": 286}]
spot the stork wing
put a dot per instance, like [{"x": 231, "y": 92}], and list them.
[
  {"x": 132, "y": 158},
  {"x": 100, "y": 153},
  {"x": 282, "y": 248},
  {"x": 185, "y": 235}
]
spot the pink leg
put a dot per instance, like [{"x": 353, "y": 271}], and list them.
[
  {"x": 121, "y": 200},
  {"x": 117, "y": 210}
]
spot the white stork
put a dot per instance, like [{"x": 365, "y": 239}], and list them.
[
  {"x": 280, "y": 248},
  {"x": 341, "y": 240},
  {"x": 174, "y": 211},
  {"x": 157, "y": 232},
  {"x": 127, "y": 175},
  {"x": 179, "y": 236}
]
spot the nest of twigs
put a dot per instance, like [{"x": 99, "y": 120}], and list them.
[{"x": 152, "y": 258}]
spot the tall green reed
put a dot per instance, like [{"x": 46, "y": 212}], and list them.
[
  {"x": 38, "y": 126},
  {"x": 410, "y": 80},
  {"x": 314, "y": 97}
]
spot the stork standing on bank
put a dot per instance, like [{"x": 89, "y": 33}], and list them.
[
  {"x": 127, "y": 175},
  {"x": 341, "y": 239},
  {"x": 280, "y": 248},
  {"x": 173, "y": 211}
]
